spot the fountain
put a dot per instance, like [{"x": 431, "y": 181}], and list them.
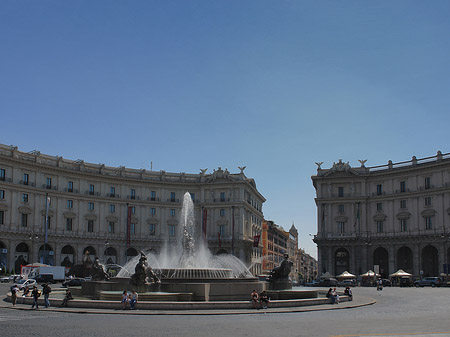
[{"x": 185, "y": 270}]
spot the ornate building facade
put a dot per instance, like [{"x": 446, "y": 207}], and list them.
[
  {"x": 388, "y": 217},
  {"x": 307, "y": 266},
  {"x": 114, "y": 212}
]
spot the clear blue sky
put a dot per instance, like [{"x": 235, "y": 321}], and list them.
[{"x": 273, "y": 85}]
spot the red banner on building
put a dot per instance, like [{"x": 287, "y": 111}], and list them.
[
  {"x": 129, "y": 226},
  {"x": 256, "y": 240},
  {"x": 220, "y": 241},
  {"x": 205, "y": 218}
]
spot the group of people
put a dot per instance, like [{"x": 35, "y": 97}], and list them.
[
  {"x": 260, "y": 300},
  {"x": 132, "y": 298},
  {"x": 334, "y": 296},
  {"x": 35, "y": 293}
]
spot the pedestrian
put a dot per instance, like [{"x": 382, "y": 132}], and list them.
[
  {"x": 35, "y": 293},
  {"x": 264, "y": 299},
  {"x": 26, "y": 291},
  {"x": 254, "y": 296},
  {"x": 46, "y": 291},
  {"x": 379, "y": 284},
  {"x": 124, "y": 299},
  {"x": 133, "y": 299},
  {"x": 14, "y": 291}
]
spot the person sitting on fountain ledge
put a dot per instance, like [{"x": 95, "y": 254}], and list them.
[
  {"x": 264, "y": 299},
  {"x": 254, "y": 296},
  {"x": 124, "y": 299},
  {"x": 133, "y": 299}
]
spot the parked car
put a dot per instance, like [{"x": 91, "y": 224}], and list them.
[
  {"x": 74, "y": 282},
  {"x": 386, "y": 282},
  {"x": 21, "y": 284},
  {"x": 313, "y": 283},
  {"x": 429, "y": 281},
  {"x": 328, "y": 282},
  {"x": 405, "y": 282},
  {"x": 44, "y": 278},
  {"x": 4, "y": 279},
  {"x": 347, "y": 283}
]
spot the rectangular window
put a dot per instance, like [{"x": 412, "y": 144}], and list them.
[
  {"x": 91, "y": 189},
  {"x": 90, "y": 226},
  {"x": 24, "y": 220},
  {"x": 172, "y": 212},
  {"x": 403, "y": 225},
  {"x": 25, "y": 197},
  {"x": 172, "y": 230},
  {"x": 403, "y": 204},
  {"x": 222, "y": 212},
  {"x": 222, "y": 196},
  {"x": 193, "y": 196},
  {"x": 428, "y": 222},
  {"x": 111, "y": 227},
  {"x": 2, "y": 217},
  {"x": 91, "y": 206},
  {"x": 402, "y": 186},
  {"x": 341, "y": 209},
  {"x": 69, "y": 224},
  {"x": 133, "y": 193},
  {"x": 152, "y": 229},
  {"x": 112, "y": 208},
  {"x": 427, "y": 201},
  {"x": 153, "y": 195},
  {"x": 70, "y": 186},
  {"x": 379, "y": 226},
  {"x": 222, "y": 230},
  {"x": 172, "y": 196},
  {"x": 341, "y": 227},
  {"x": 340, "y": 191},
  {"x": 379, "y": 206},
  {"x": 133, "y": 210},
  {"x": 112, "y": 192},
  {"x": 427, "y": 182},
  {"x": 2, "y": 174},
  {"x": 2, "y": 194},
  {"x": 69, "y": 203},
  {"x": 26, "y": 178},
  {"x": 379, "y": 189},
  {"x": 132, "y": 228},
  {"x": 152, "y": 211},
  {"x": 48, "y": 183}
]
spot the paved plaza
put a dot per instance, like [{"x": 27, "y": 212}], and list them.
[{"x": 397, "y": 312}]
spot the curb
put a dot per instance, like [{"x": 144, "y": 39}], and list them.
[{"x": 367, "y": 302}]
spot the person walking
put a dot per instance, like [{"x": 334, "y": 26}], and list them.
[
  {"x": 35, "y": 293},
  {"x": 133, "y": 299},
  {"x": 14, "y": 291},
  {"x": 46, "y": 290}
]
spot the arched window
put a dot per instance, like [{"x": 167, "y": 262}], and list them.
[{"x": 341, "y": 261}]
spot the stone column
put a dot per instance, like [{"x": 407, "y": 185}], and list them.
[{"x": 417, "y": 263}]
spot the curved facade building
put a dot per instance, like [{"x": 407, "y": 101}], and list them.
[
  {"x": 388, "y": 217},
  {"x": 114, "y": 212}
]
